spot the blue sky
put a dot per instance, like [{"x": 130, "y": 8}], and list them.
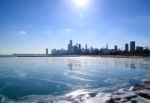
[{"x": 30, "y": 26}]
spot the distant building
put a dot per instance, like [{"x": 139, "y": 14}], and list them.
[
  {"x": 75, "y": 49},
  {"x": 85, "y": 46},
  {"x": 126, "y": 47},
  {"x": 115, "y": 48},
  {"x": 132, "y": 46},
  {"x": 139, "y": 49},
  {"x": 53, "y": 51},
  {"x": 59, "y": 52},
  {"x": 70, "y": 48},
  {"x": 107, "y": 51},
  {"x": 91, "y": 51},
  {"x": 86, "y": 49},
  {"x": 107, "y": 46},
  {"x": 46, "y": 51},
  {"x": 80, "y": 49}
]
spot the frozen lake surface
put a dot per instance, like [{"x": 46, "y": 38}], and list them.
[{"x": 53, "y": 78}]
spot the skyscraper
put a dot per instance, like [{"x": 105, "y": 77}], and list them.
[
  {"x": 79, "y": 48},
  {"x": 126, "y": 47},
  {"x": 115, "y": 48},
  {"x": 132, "y": 46},
  {"x": 70, "y": 42},
  {"x": 76, "y": 49},
  {"x": 107, "y": 46},
  {"x": 86, "y": 49},
  {"x": 86, "y": 46},
  {"x": 70, "y": 47},
  {"x": 46, "y": 51}
]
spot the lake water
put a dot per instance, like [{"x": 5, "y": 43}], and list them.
[{"x": 30, "y": 79}]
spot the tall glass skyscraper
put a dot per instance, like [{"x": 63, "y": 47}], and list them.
[
  {"x": 126, "y": 47},
  {"x": 132, "y": 46},
  {"x": 46, "y": 51},
  {"x": 70, "y": 47}
]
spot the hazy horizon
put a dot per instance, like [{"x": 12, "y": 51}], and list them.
[{"x": 31, "y": 26}]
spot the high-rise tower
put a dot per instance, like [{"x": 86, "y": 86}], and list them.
[{"x": 132, "y": 46}]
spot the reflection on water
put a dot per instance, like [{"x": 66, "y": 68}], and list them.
[
  {"x": 70, "y": 66},
  {"x": 132, "y": 65},
  {"x": 74, "y": 64},
  {"x": 61, "y": 75}
]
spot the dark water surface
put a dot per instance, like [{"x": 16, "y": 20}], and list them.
[{"x": 53, "y": 76}]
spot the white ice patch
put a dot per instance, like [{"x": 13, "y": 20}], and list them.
[
  {"x": 111, "y": 81},
  {"x": 57, "y": 82},
  {"x": 81, "y": 79},
  {"x": 20, "y": 74},
  {"x": 77, "y": 93}
]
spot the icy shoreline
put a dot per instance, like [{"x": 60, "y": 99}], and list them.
[{"x": 139, "y": 93}]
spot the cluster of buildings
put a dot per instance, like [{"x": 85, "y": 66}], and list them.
[
  {"x": 73, "y": 50},
  {"x": 129, "y": 48},
  {"x": 77, "y": 49}
]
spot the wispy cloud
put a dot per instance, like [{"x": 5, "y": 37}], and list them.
[
  {"x": 22, "y": 32},
  {"x": 68, "y": 30}
]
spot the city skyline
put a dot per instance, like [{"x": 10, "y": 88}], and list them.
[
  {"x": 78, "y": 48},
  {"x": 30, "y": 26},
  {"x": 130, "y": 48}
]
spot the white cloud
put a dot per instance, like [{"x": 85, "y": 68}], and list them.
[
  {"x": 22, "y": 32},
  {"x": 68, "y": 30},
  {"x": 19, "y": 32}
]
